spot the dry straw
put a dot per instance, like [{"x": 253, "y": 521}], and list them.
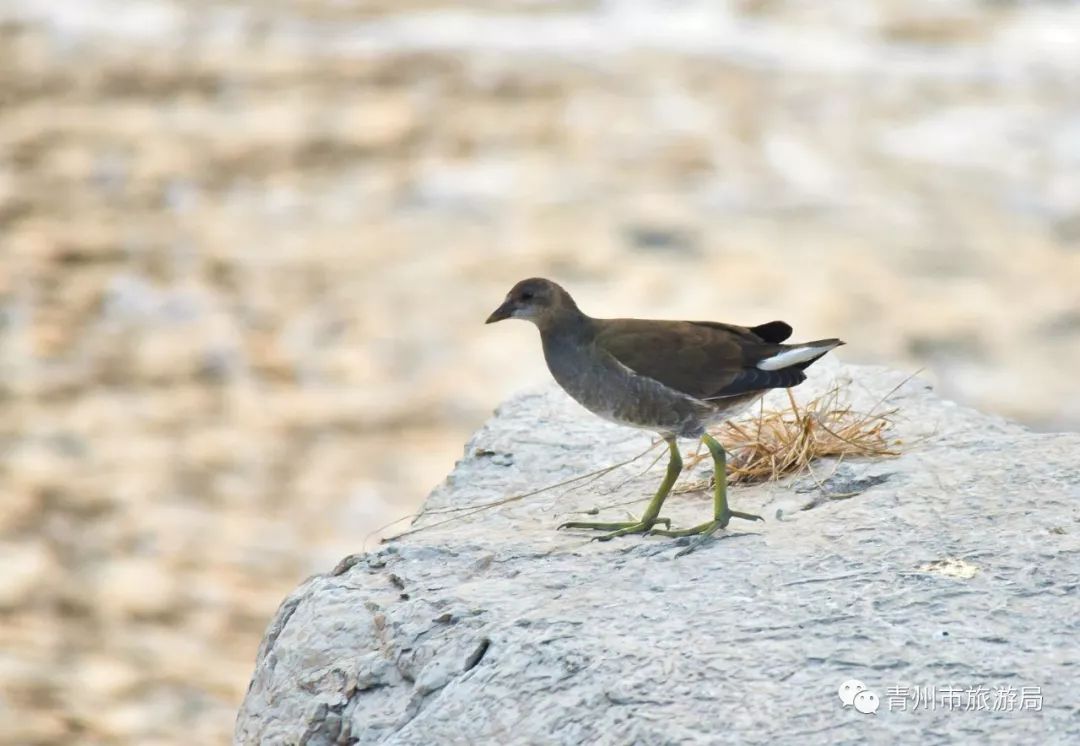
[{"x": 782, "y": 442}]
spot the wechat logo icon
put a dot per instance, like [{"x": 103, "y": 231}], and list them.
[{"x": 853, "y": 693}]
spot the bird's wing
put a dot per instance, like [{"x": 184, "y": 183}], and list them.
[{"x": 706, "y": 360}]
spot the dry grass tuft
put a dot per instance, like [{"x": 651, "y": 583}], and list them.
[{"x": 779, "y": 443}]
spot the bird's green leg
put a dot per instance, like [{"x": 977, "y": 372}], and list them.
[
  {"x": 651, "y": 515},
  {"x": 722, "y": 514}
]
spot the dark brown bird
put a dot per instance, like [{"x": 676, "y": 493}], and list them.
[{"x": 676, "y": 378}]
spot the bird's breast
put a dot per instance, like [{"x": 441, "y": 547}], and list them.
[{"x": 610, "y": 390}]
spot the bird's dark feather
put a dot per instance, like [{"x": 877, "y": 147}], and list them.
[
  {"x": 753, "y": 379},
  {"x": 702, "y": 359},
  {"x": 774, "y": 331}
]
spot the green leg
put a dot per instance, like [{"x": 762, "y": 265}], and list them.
[
  {"x": 651, "y": 515},
  {"x": 722, "y": 514}
]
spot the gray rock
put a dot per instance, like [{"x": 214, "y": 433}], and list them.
[{"x": 953, "y": 566}]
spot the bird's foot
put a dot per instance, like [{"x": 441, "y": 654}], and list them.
[
  {"x": 705, "y": 530},
  {"x": 618, "y": 529},
  {"x": 719, "y": 522}
]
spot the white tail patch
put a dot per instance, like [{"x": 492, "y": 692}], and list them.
[{"x": 794, "y": 356}]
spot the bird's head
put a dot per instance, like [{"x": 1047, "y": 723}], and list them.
[{"x": 536, "y": 299}]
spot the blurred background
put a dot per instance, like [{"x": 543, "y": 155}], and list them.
[{"x": 247, "y": 247}]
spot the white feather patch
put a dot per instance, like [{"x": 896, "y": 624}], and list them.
[{"x": 787, "y": 358}]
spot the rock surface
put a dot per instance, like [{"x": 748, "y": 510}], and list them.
[{"x": 954, "y": 566}]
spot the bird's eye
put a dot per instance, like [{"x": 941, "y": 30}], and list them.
[{"x": 527, "y": 295}]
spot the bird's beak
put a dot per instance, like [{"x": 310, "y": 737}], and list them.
[{"x": 504, "y": 311}]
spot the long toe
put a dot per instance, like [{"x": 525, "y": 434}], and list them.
[
  {"x": 620, "y": 528},
  {"x": 597, "y": 526},
  {"x": 696, "y": 543},
  {"x": 704, "y": 528},
  {"x": 638, "y": 528}
]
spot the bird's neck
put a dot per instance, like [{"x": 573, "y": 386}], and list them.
[
  {"x": 566, "y": 347},
  {"x": 565, "y": 325}
]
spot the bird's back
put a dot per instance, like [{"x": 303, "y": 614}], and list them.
[{"x": 709, "y": 360}]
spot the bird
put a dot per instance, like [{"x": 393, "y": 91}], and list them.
[{"x": 675, "y": 378}]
